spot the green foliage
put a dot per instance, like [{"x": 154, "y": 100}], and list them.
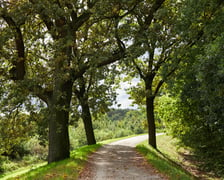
[
  {"x": 194, "y": 113},
  {"x": 192, "y": 110},
  {"x": 46, "y": 45},
  {"x": 129, "y": 122},
  {"x": 117, "y": 114},
  {"x": 14, "y": 131},
  {"x": 35, "y": 148},
  {"x": 26, "y": 153},
  {"x": 77, "y": 135}
]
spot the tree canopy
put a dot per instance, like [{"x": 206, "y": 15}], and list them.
[{"x": 64, "y": 56}]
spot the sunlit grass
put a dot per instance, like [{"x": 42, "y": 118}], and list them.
[
  {"x": 59, "y": 170},
  {"x": 121, "y": 138},
  {"x": 170, "y": 149},
  {"x": 20, "y": 171},
  {"x": 70, "y": 168},
  {"x": 66, "y": 169},
  {"x": 162, "y": 164}
]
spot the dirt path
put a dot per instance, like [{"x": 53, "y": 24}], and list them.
[{"x": 119, "y": 161}]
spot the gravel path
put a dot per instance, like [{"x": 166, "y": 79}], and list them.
[{"x": 119, "y": 161}]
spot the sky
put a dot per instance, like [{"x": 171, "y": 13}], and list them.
[{"x": 123, "y": 97}]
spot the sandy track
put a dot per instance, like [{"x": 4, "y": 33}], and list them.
[{"x": 119, "y": 161}]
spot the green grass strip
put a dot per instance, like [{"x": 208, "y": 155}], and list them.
[
  {"x": 65, "y": 169},
  {"x": 76, "y": 162},
  {"x": 162, "y": 164}
]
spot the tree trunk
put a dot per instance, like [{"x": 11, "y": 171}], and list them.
[
  {"x": 59, "y": 104},
  {"x": 150, "y": 114},
  {"x": 151, "y": 121},
  {"x": 87, "y": 120}
]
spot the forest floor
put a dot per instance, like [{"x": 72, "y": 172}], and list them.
[{"x": 119, "y": 160}]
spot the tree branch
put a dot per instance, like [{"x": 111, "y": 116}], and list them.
[
  {"x": 79, "y": 21},
  {"x": 38, "y": 91},
  {"x": 155, "y": 7},
  {"x": 18, "y": 71},
  {"x": 45, "y": 18},
  {"x": 116, "y": 56},
  {"x": 138, "y": 69},
  {"x": 158, "y": 87}
]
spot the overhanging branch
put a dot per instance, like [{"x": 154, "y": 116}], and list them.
[{"x": 18, "y": 71}]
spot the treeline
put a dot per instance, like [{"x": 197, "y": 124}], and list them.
[{"x": 116, "y": 123}]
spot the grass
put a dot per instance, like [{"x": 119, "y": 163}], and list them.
[
  {"x": 183, "y": 156},
  {"x": 70, "y": 168},
  {"x": 117, "y": 139},
  {"x": 168, "y": 146},
  {"x": 165, "y": 165},
  {"x": 20, "y": 171},
  {"x": 66, "y": 169}
]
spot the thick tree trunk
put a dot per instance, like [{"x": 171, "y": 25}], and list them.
[
  {"x": 87, "y": 120},
  {"x": 59, "y": 146},
  {"x": 150, "y": 113}
]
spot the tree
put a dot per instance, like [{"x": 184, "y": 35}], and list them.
[
  {"x": 165, "y": 43},
  {"x": 95, "y": 95},
  {"x": 15, "y": 129},
  {"x": 193, "y": 110},
  {"x": 197, "y": 118},
  {"x": 41, "y": 45},
  {"x": 154, "y": 58}
]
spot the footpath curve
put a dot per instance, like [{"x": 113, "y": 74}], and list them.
[{"x": 119, "y": 161}]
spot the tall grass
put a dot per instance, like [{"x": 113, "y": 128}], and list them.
[{"x": 162, "y": 164}]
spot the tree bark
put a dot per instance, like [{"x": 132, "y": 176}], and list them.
[
  {"x": 150, "y": 114},
  {"x": 82, "y": 95},
  {"x": 87, "y": 120},
  {"x": 59, "y": 146},
  {"x": 151, "y": 121}
]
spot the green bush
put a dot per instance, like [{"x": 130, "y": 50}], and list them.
[
  {"x": 1, "y": 164},
  {"x": 35, "y": 149}
]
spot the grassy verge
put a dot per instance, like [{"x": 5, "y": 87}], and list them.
[
  {"x": 20, "y": 171},
  {"x": 58, "y": 170},
  {"x": 162, "y": 163},
  {"x": 117, "y": 139},
  {"x": 183, "y": 156},
  {"x": 66, "y": 169}
]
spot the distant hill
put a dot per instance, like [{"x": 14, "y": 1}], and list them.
[{"x": 118, "y": 114}]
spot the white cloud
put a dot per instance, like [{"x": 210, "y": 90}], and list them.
[{"x": 123, "y": 97}]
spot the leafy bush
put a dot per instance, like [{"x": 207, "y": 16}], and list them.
[
  {"x": 194, "y": 111},
  {"x": 35, "y": 149},
  {"x": 1, "y": 164}
]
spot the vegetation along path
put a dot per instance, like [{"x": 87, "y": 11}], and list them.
[{"x": 119, "y": 160}]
